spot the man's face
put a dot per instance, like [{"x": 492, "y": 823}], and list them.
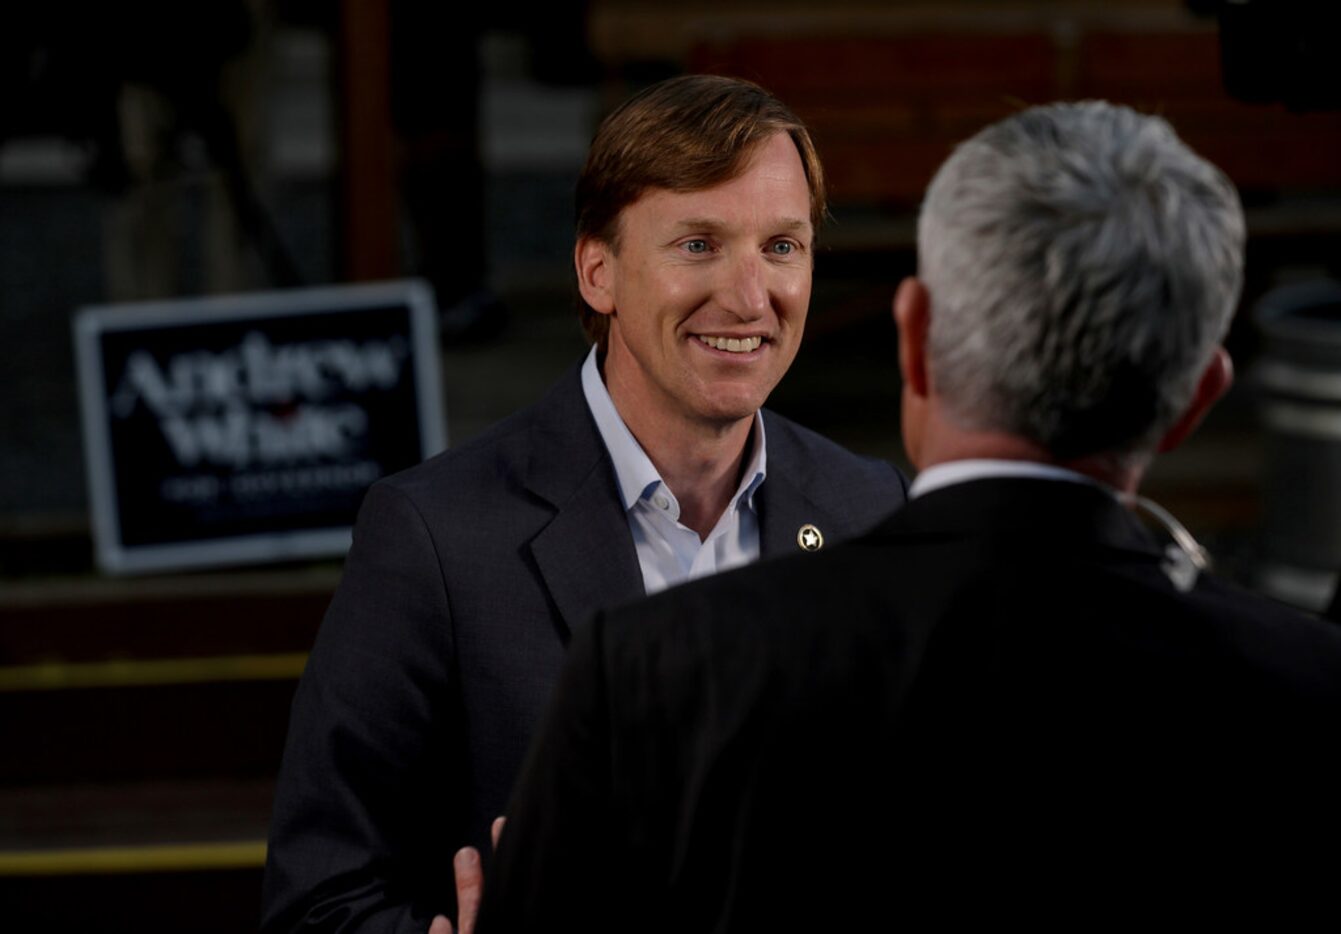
[{"x": 708, "y": 293}]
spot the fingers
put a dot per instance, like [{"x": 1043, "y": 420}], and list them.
[
  {"x": 469, "y": 873},
  {"x": 469, "y": 887}
]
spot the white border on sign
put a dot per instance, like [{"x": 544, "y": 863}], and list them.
[{"x": 92, "y": 321}]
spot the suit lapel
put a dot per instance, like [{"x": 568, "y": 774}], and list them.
[
  {"x": 585, "y": 555},
  {"x": 783, "y": 509},
  {"x": 783, "y": 501}
]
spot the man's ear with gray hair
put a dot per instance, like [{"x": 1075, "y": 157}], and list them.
[
  {"x": 1214, "y": 382},
  {"x": 912, "y": 319}
]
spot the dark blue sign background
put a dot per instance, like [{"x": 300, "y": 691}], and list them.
[{"x": 234, "y": 428}]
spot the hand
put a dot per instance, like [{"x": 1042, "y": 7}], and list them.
[{"x": 469, "y": 873}]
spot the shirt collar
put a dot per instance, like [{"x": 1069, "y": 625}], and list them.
[
  {"x": 951, "y": 472},
  {"x": 634, "y": 472}
]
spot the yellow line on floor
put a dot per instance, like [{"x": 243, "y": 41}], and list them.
[
  {"x": 123, "y": 860},
  {"x": 53, "y": 676}
]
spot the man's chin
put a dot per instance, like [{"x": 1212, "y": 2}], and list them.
[{"x": 730, "y": 409}]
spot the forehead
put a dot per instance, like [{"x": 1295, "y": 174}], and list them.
[{"x": 770, "y": 190}]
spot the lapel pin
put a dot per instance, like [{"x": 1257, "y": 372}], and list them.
[{"x": 809, "y": 538}]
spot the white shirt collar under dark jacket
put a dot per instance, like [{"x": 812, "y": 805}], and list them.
[
  {"x": 1184, "y": 558},
  {"x": 951, "y": 472},
  {"x": 668, "y": 552}
]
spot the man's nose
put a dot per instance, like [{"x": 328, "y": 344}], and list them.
[{"x": 744, "y": 292}]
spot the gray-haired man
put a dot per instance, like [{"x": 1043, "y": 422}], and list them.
[{"x": 1009, "y": 699}]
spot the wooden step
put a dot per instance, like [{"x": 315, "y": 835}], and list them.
[{"x": 136, "y": 856}]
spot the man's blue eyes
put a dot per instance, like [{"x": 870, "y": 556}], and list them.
[{"x": 778, "y": 248}]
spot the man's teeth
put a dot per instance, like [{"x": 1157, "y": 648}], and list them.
[{"x": 732, "y": 344}]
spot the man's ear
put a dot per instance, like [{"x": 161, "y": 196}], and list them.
[
  {"x": 912, "y": 318},
  {"x": 1214, "y": 383},
  {"x": 592, "y": 258}
]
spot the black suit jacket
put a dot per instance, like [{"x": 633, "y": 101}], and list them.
[
  {"x": 995, "y": 704},
  {"x": 467, "y": 576}
]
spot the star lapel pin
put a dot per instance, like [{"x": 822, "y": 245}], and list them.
[{"x": 809, "y": 538}]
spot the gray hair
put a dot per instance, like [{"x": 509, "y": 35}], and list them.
[{"x": 1082, "y": 264}]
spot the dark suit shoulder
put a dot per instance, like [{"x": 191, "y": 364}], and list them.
[
  {"x": 909, "y": 596},
  {"x": 485, "y": 461},
  {"x": 496, "y": 465},
  {"x": 1278, "y": 643}
]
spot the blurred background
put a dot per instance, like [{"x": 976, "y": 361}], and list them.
[{"x": 152, "y": 150}]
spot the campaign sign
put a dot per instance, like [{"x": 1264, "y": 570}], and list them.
[{"x": 247, "y": 428}]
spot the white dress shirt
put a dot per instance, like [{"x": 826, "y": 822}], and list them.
[
  {"x": 952, "y": 472},
  {"x": 668, "y": 552}
]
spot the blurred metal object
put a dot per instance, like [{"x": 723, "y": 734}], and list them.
[{"x": 1299, "y": 386}]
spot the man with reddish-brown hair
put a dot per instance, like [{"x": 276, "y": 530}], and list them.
[
  {"x": 650, "y": 464},
  {"x": 720, "y": 122}
]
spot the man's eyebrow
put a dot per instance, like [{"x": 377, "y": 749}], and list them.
[
  {"x": 698, "y": 223},
  {"x": 787, "y": 224}
]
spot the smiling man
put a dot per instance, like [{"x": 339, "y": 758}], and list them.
[
  {"x": 705, "y": 295},
  {"x": 650, "y": 464}
]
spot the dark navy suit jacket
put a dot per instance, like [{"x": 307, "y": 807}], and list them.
[
  {"x": 467, "y": 576},
  {"x": 996, "y": 706}
]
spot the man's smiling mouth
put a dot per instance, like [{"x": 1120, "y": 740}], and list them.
[{"x": 731, "y": 344}]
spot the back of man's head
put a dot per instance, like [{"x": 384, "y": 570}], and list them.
[
  {"x": 684, "y": 134},
  {"x": 1082, "y": 264}
]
